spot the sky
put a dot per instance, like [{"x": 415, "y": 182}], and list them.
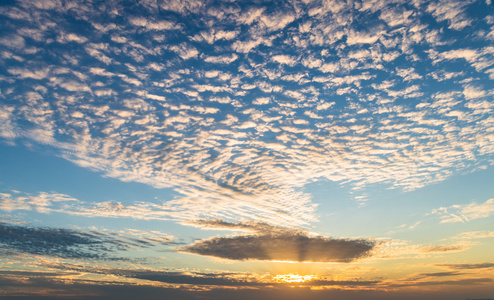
[{"x": 289, "y": 149}]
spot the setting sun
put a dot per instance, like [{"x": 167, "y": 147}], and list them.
[{"x": 293, "y": 278}]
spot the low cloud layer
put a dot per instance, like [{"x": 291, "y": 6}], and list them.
[
  {"x": 208, "y": 279},
  {"x": 282, "y": 247}
]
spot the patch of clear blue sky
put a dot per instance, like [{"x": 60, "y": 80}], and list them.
[
  {"x": 39, "y": 169},
  {"x": 34, "y": 170},
  {"x": 387, "y": 209}
]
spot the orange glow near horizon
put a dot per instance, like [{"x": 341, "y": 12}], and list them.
[{"x": 293, "y": 278}]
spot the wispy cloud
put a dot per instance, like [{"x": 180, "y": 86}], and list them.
[
  {"x": 470, "y": 235},
  {"x": 472, "y": 266},
  {"x": 466, "y": 212},
  {"x": 444, "y": 248}
]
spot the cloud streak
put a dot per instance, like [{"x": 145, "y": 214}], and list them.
[
  {"x": 73, "y": 244},
  {"x": 465, "y": 213},
  {"x": 223, "y": 279}
]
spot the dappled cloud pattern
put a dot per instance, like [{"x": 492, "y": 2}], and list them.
[{"x": 238, "y": 105}]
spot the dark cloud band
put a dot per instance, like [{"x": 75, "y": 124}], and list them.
[
  {"x": 67, "y": 243},
  {"x": 282, "y": 247}
]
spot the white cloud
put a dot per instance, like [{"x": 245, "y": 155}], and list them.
[
  {"x": 43, "y": 202},
  {"x": 473, "y": 235},
  {"x": 7, "y": 129},
  {"x": 250, "y": 16},
  {"x": 284, "y": 59},
  {"x": 261, "y": 101},
  {"x": 185, "y": 51},
  {"x": 71, "y": 37},
  {"x": 247, "y": 46},
  {"x": 451, "y": 11},
  {"x": 26, "y": 73},
  {"x": 395, "y": 17},
  {"x": 355, "y": 37},
  {"x": 183, "y": 6},
  {"x": 224, "y": 59},
  {"x": 150, "y": 25},
  {"x": 14, "y": 41},
  {"x": 276, "y": 21},
  {"x": 466, "y": 212}
]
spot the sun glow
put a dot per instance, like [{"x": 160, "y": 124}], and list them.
[{"x": 293, "y": 278}]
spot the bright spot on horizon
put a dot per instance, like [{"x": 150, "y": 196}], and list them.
[{"x": 294, "y": 278}]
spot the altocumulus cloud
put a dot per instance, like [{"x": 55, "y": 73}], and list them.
[
  {"x": 237, "y": 122},
  {"x": 282, "y": 245}
]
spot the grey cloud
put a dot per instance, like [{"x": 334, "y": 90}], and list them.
[
  {"x": 443, "y": 248},
  {"x": 268, "y": 242},
  {"x": 282, "y": 247},
  {"x": 441, "y": 274},
  {"x": 58, "y": 242},
  {"x": 468, "y": 266},
  {"x": 207, "y": 279},
  {"x": 214, "y": 279},
  {"x": 65, "y": 243},
  {"x": 467, "y": 282}
]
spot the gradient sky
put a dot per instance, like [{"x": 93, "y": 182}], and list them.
[{"x": 289, "y": 149}]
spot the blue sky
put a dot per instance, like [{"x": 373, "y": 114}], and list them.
[{"x": 197, "y": 148}]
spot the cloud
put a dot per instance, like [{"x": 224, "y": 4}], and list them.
[
  {"x": 150, "y": 25},
  {"x": 238, "y": 136},
  {"x": 76, "y": 244},
  {"x": 398, "y": 249},
  {"x": 465, "y": 213},
  {"x": 183, "y": 7},
  {"x": 185, "y": 51},
  {"x": 451, "y": 11},
  {"x": 459, "y": 282},
  {"x": 64, "y": 38},
  {"x": 14, "y": 41},
  {"x": 355, "y": 37},
  {"x": 212, "y": 279},
  {"x": 64, "y": 243},
  {"x": 43, "y": 202},
  {"x": 473, "y": 266},
  {"x": 195, "y": 278},
  {"x": 224, "y": 59},
  {"x": 441, "y": 274},
  {"x": 474, "y": 235},
  {"x": 284, "y": 59},
  {"x": 277, "y": 244},
  {"x": 444, "y": 248},
  {"x": 251, "y": 226}
]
